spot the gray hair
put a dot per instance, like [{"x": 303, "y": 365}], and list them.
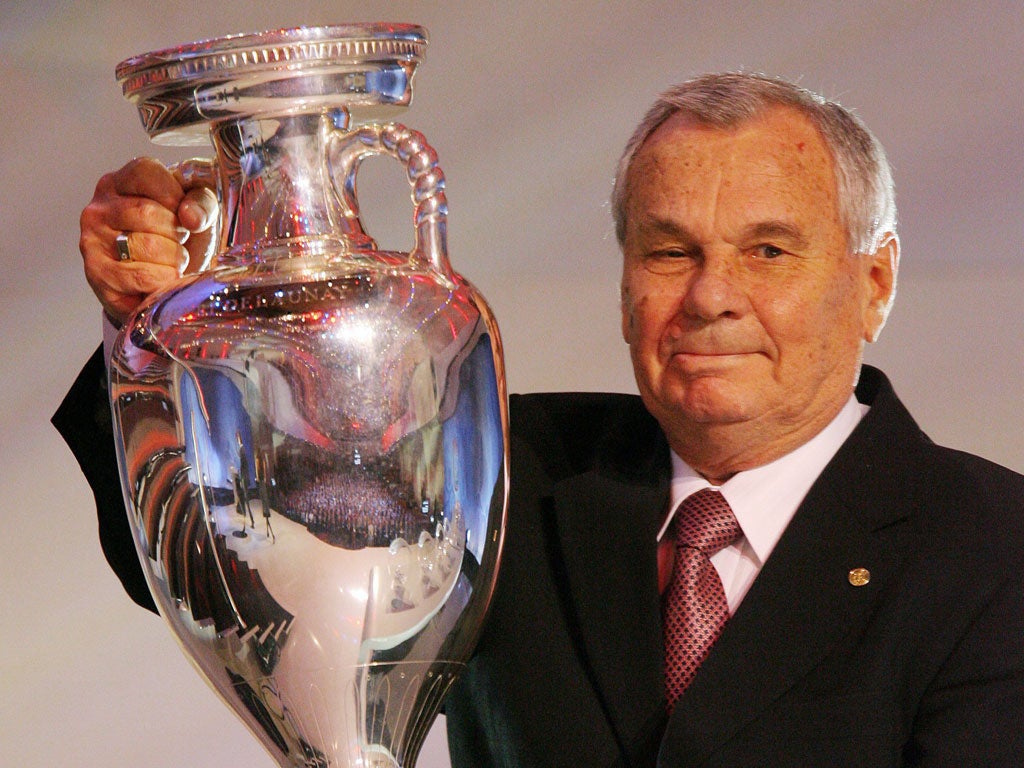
[{"x": 867, "y": 203}]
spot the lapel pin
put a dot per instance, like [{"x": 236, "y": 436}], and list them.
[{"x": 859, "y": 576}]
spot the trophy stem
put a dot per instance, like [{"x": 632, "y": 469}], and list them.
[{"x": 275, "y": 186}]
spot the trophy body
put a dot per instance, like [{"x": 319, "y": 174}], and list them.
[{"x": 312, "y": 432}]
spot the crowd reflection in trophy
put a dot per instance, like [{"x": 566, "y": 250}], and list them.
[{"x": 351, "y": 504}]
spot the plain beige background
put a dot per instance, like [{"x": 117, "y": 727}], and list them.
[{"x": 528, "y": 105}]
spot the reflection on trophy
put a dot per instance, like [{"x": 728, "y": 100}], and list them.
[{"x": 312, "y": 431}]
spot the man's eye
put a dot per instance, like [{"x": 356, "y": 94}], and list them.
[
  {"x": 768, "y": 251},
  {"x": 668, "y": 261}
]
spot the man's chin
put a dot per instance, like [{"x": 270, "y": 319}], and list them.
[{"x": 700, "y": 403}]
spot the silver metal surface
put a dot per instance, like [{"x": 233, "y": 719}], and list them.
[
  {"x": 313, "y": 432},
  {"x": 367, "y": 68}
]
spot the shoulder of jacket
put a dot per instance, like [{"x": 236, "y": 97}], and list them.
[{"x": 573, "y": 432}]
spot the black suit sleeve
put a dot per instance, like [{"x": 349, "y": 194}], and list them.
[
  {"x": 973, "y": 711},
  {"x": 84, "y": 421}
]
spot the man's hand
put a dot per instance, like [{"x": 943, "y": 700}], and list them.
[{"x": 167, "y": 218}]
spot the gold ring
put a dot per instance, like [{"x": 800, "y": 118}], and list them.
[{"x": 121, "y": 243}]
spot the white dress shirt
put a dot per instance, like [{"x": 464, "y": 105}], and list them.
[{"x": 764, "y": 499}]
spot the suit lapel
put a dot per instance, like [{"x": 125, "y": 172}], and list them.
[{"x": 803, "y": 601}]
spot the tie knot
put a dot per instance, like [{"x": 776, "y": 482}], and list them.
[{"x": 706, "y": 522}]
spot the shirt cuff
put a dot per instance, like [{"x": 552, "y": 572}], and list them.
[{"x": 110, "y": 330}]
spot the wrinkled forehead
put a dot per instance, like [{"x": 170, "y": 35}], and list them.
[
  {"x": 772, "y": 164},
  {"x": 775, "y": 127},
  {"x": 779, "y": 137}
]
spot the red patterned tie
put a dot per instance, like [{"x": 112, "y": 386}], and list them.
[{"x": 695, "y": 606}]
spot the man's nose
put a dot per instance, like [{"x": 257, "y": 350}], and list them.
[{"x": 717, "y": 288}]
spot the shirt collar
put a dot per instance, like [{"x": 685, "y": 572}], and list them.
[{"x": 764, "y": 499}]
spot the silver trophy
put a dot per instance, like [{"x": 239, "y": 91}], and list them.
[{"x": 312, "y": 432}]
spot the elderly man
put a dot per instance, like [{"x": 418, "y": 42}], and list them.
[{"x": 762, "y": 561}]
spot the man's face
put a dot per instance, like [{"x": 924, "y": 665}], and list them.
[{"x": 744, "y": 313}]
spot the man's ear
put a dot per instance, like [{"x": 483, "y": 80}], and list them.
[{"x": 881, "y": 269}]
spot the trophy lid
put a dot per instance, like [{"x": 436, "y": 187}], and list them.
[{"x": 180, "y": 91}]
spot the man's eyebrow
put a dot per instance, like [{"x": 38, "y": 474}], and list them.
[
  {"x": 771, "y": 229},
  {"x": 656, "y": 225},
  {"x": 775, "y": 229}
]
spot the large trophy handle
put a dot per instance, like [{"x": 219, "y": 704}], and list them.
[{"x": 347, "y": 149}]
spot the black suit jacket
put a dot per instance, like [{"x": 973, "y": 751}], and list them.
[{"x": 924, "y": 665}]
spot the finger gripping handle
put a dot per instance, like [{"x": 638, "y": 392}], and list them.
[{"x": 346, "y": 150}]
